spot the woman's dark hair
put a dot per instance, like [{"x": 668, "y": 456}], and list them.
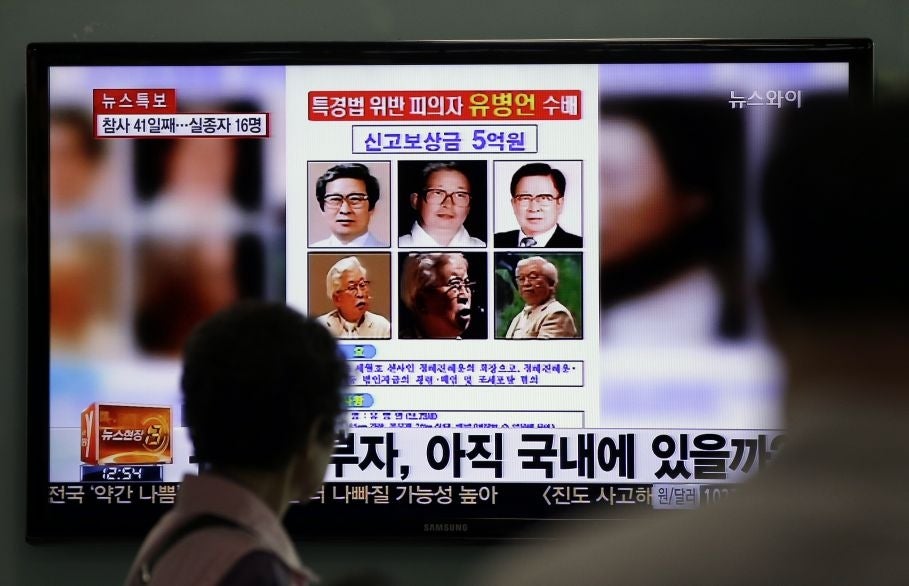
[{"x": 256, "y": 378}]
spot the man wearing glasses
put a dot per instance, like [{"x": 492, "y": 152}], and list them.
[
  {"x": 437, "y": 293},
  {"x": 347, "y": 194},
  {"x": 442, "y": 205},
  {"x": 543, "y": 317},
  {"x": 537, "y": 195},
  {"x": 348, "y": 288}
]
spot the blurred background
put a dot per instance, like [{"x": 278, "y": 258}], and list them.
[
  {"x": 682, "y": 244},
  {"x": 151, "y": 237},
  {"x": 185, "y": 223},
  {"x": 21, "y": 22}
]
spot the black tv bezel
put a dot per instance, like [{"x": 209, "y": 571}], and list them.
[{"x": 46, "y": 522}]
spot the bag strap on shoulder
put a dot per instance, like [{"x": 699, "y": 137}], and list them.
[{"x": 191, "y": 526}]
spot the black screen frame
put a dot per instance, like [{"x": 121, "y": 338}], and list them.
[{"x": 46, "y": 522}]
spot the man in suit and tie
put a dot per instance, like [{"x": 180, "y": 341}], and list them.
[{"x": 537, "y": 196}]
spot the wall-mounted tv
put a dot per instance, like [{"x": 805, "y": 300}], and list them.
[{"x": 539, "y": 257}]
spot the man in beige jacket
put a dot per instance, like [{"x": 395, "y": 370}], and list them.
[{"x": 543, "y": 316}]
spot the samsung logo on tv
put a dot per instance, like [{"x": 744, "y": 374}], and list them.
[{"x": 444, "y": 527}]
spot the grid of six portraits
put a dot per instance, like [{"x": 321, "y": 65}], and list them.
[
  {"x": 445, "y": 266},
  {"x": 150, "y": 237}
]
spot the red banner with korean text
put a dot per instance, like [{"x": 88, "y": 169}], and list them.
[
  {"x": 445, "y": 105},
  {"x": 134, "y": 101}
]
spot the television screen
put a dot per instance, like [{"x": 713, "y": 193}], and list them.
[{"x": 539, "y": 257}]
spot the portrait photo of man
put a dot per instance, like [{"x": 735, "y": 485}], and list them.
[
  {"x": 533, "y": 283},
  {"x": 350, "y": 204},
  {"x": 541, "y": 196},
  {"x": 348, "y": 289},
  {"x": 442, "y": 204},
  {"x": 440, "y": 296}
]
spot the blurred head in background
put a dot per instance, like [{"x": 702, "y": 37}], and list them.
[
  {"x": 183, "y": 282},
  {"x": 75, "y": 157},
  {"x": 199, "y": 183},
  {"x": 670, "y": 215},
  {"x": 201, "y": 169}
]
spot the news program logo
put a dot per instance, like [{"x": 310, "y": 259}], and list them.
[{"x": 126, "y": 434}]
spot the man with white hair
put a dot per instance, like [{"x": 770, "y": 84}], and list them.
[
  {"x": 348, "y": 288},
  {"x": 438, "y": 294},
  {"x": 543, "y": 316}
]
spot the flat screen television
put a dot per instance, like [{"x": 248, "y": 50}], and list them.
[{"x": 588, "y": 209}]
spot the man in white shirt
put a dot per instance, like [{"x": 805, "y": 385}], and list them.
[
  {"x": 348, "y": 288},
  {"x": 347, "y": 194},
  {"x": 543, "y": 317},
  {"x": 442, "y": 205}
]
